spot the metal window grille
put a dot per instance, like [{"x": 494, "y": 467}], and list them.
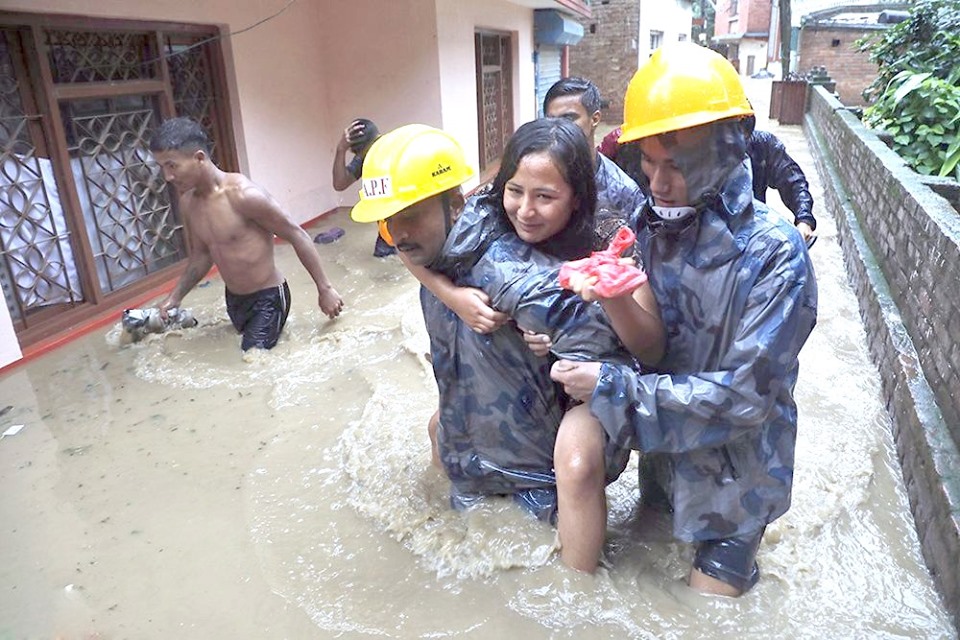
[{"x": 85, "y": 216}]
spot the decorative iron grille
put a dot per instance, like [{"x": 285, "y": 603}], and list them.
[
  {"x": 132, "y": 228},
  {"x": 193, "y": 94},
  {"x": 86, "y": 56},
  {"x": 86, "y": 219},
  {"x": 37, "y": 267},
  {"x": 496, "y": 95}
]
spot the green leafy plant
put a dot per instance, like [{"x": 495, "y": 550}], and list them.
[{"x": 916, "y": 96}]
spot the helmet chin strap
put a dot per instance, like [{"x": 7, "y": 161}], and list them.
[
  {"x": 673, "y": 214},
  {"x": 670, "y": 221},
  {"x": 447, "y": 213}
]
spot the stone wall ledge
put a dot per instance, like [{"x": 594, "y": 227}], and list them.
[{"x": 901, "y": 242}]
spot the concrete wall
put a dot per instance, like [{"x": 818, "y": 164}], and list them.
[
  {"x": 901, "y": 244},
  {"x": 380, "y": 61},
  {"x": 833, "y": 48},
  {"x": 755, "y": 48}
]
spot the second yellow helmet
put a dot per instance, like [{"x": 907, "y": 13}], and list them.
[
  {"x": 405, "y": 166},
  {"x": 682, "y": 85}
]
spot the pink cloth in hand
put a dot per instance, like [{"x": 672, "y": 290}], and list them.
[{"x": 613, "y": 279}]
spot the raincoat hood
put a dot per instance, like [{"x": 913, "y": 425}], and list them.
[{"x": 718, "y": 234}]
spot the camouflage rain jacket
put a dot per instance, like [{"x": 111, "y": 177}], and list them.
[
  {"x": 615, "y": 189},
  {"x": 499, "y": 409},
  {"x": 738, "y": 298}
]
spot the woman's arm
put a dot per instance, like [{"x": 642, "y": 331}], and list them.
[{"x": 471, "y": 305}]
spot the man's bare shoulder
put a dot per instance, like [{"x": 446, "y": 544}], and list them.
[
  {"x": 244, "y": 195},
  {"x": 237, "y": 185}
]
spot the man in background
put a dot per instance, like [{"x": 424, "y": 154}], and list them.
[{"x": 357, "y": 137}]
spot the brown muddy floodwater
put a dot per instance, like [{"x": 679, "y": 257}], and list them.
[{"x": 173, "y": 489}]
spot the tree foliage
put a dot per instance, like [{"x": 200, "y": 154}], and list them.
[
  {"x": 916, "y": 96},
  {"x": 702, "y": 33}
]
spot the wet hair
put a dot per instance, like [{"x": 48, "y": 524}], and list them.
[
  {"x": 573, "y": 86},
  {"x": 180, "y": 134},
  {"x": 367, "y": 135},
  {"x": 566, "y": 145}
]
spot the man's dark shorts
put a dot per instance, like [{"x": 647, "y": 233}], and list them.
[
  {"x": 731, "y": 560},
  {"x": 260, "y": 315}
]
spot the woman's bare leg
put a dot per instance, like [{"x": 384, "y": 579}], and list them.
[{"x": 581, "y": 496}]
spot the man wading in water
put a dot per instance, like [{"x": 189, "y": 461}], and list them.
[{"x": 231, "y": 223}]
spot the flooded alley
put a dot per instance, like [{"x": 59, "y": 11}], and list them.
[{"x": 174, "y": 488}]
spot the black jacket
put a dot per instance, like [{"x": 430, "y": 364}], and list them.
[{"x": 774, "y": 168}]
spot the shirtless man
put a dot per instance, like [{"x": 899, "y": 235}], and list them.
[{"x": 231, "y": 223}]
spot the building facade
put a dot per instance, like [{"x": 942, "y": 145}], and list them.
[
  {"x": 742, "y": 33},
  {"x": 619, "y": 35},
  {"x": 86, "y": 223}
]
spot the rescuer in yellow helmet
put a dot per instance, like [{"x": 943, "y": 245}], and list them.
[
  {"x": 716, "y": 420},
  {"x": 500, "y": 412}
]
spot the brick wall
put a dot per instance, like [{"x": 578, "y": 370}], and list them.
[
  {"x": 723, "y": 18},
  {"x": 757, "y": 19},
  {"x": 833, "y": 48},
  {"x": 901, "y": 244},
  {"x": 752, "y": 16},
  {"x": 607, "y": 54}
]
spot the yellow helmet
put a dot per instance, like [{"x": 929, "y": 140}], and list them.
[
  {"x": 405, "y": 166},
  {"x": 682, "y": 85}
]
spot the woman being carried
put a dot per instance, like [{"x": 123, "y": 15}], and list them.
[{"x": 545, "y": 193}]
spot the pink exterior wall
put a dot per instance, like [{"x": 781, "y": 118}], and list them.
[
  {"x": 275, "y": 75},
  {"x": 299, "y": 78},
  {"x": 9, "y": 346},
  {"x": 457, "y": 20},
  {"x": 381, "y": 62},
  {"x": 277, "y": 91},
  {"x": 296, "y": 80}
]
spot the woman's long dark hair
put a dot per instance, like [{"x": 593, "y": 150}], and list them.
[{"x": 568, "y": 148}]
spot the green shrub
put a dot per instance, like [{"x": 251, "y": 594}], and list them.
[{"x": 916, "y": 96}]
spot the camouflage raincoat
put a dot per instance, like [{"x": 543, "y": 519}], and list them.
[
  {"x": 499, "y": 409},
  {"x": 615, "y": 189},
  {"x": 738, "y": 298}
]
